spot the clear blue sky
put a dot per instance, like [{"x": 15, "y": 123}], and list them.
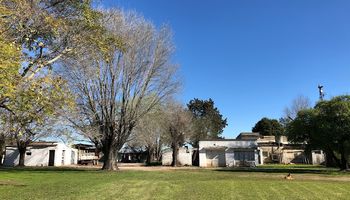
[{"x": 253, "y": 57}]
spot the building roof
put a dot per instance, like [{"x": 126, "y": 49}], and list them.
[
  {"x": 38, "y": 144},
  {"x": 84, "y": 146},
  {"x": 228, "y": 140},
  {"x": 215, "y": 148},
  {"x": 249, "y": 135}
]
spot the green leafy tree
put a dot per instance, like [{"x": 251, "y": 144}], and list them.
[
  {"x": 30, "y": 114},
  {"x": 268, "y": 126},
  {"x": 327, "y": 126},
  {"x": 35, "y": 36},
  {"x": 208, "y": 123}
]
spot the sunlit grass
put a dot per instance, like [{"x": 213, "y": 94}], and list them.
[{"x": 173, "y": 184}]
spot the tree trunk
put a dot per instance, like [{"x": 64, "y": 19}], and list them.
[
  {"x": 109, "y": 154},
  {"x": 150, "y": 152},
  {"x": 343, "y": 158},
  {"x": 344, "y": 162},
  {"x": 2, "y": 147},
  {"x": 332, "y": 159},
  {"x": 175, "y": 154},
  {"x": 195, "y": 157},
  {"x": 22, "y": 154},
  {"x": 1, "y": 151}
]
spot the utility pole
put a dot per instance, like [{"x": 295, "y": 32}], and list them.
[{"x": 320, "y": 90}]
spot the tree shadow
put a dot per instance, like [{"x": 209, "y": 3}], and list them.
[
  {"x": 284, "y": 170},
  {"x": 46, "y": 169}
]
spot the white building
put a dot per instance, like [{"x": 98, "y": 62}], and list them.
[
  {"x": 228, "y": 153},
  {"x": 184, "y": 156},
  {"x": 42, "y": 154}
]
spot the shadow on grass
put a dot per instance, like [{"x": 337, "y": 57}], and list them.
[
  {"x": 284, "y": 170},
  {"x": 45, "y": 169}
]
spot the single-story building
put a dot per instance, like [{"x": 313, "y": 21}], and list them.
[
  {"x": 42, "y": 154},
  {"x": 228, "y": 153},
  {"x": 281, "y": 150}
]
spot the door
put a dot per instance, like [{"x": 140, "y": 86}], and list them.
[
  {"x": 216, "y": 158},
  {"x": 72, "y": 159},
  {"x": 52, "y": 158}
]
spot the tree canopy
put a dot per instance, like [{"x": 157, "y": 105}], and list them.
[
  {"x": 326, "y": 126},
  {"x": 208, "y": 122},
  {"x": 35, "y": 37},
  {"x": 268, "y": 126},
  {"x": 114, "y": 92}
]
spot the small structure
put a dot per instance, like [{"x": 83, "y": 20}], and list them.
[
  {"x": 87, "y": 154},
  {"x": 228, "y": 153},
  {"x": 184, "y": 156},
  {"x": 129, "y": 154},
  {"x": 318, "y": 157},
  {"x": 42, "y": 154}
]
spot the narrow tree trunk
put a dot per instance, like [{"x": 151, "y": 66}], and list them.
[
  {"x": 150, "y": 152},
  {"x": 1, "y": 152},
  {"x": 2, "y": 147},
  {"x": 343, "y": 159},
  {"x": 175, "y": 154},
  {"x": 334, "y": 158},
  {"x": 158, "y": 152},
  {"x": 344, "y": 162},
  {"x": 195, "y": 158}
]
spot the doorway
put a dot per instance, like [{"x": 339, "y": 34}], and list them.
[{"x": 52, "y": 158}]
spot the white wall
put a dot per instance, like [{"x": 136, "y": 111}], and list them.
[
  {"x": 318, "y": 157},
  {"x": 228, "y": 145},
  {"x": 40, "y": 156},
  {"x": 184, "y": 157},
  {"x": 67, "y": 158}
]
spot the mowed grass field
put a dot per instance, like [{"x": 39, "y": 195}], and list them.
[{"x": 260, "y": 183}]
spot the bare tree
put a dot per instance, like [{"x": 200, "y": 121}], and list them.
[
  {"x": 177, "y": 127},
  {"x": 149, "y": 134},
  {"x": 115, "y": 91},
  {"x": 299, "y": 103}
]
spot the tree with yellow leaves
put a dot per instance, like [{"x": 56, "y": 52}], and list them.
[{"x": 35, "y": 36}]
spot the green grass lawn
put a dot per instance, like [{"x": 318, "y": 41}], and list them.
[{"x": 57, "y": 183}]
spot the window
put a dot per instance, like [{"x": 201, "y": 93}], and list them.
[
  {"x": 28, "y": 153},
  {"x": 265, "y": 154},
  {"x": 244, "y": 155},
  {"x": 275, "y": 157},
  {"x": 187, "y": 151}
]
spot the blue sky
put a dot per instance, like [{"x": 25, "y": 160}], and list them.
[{"x": 253, "y": 57}]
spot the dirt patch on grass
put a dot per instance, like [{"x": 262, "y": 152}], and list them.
[
  {"x": 157, "y": 168},
  {"x": 137, "y": 167},
  {"x": 10, "y": 183}
]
